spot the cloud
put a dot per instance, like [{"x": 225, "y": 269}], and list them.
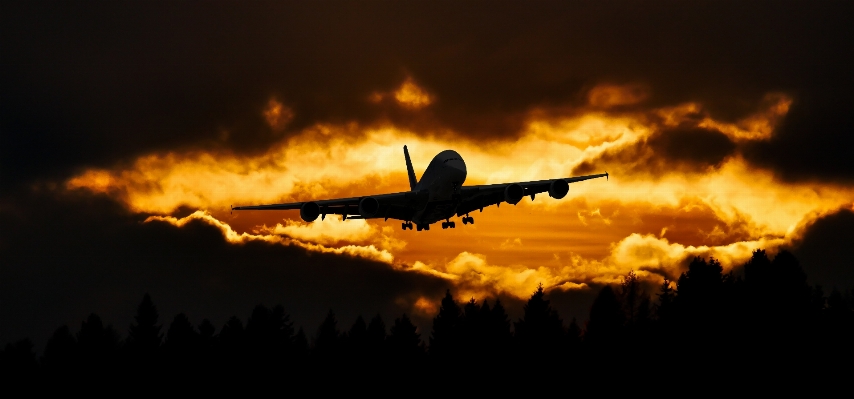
[
  {"x": 667, "y": 175},
  {"x": 277, "y": 115},
  {"x": 412, "y": 96},
  {"x": 368, "y": 251},
  {"x": 98, "y": 257},
  {"x": 609, "y": 95},
  {"x": 823, "y": 249}
]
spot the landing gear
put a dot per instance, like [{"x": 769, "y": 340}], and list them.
[
  {"x": 449, "y": 225},
  {"x": 468, "y": 220},
  {"x": 420, "y": 227},
  {"x": 407, "y": 225}
]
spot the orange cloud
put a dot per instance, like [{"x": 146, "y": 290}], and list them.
[
  {"x": 277, "y": 115},
  {"x": 411, "y": 95},
  {"x": 610, "y": 95},
  {"x": 597, "y": 234}
]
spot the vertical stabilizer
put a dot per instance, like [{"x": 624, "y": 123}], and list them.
[{"x": 409, "y": 169}]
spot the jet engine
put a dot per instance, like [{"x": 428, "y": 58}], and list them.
[
  {"x": 513, "y": 194},
  {"x": 309, "y": 211},
  {"x": 558, "y": 188},
  {"x": 368, "y": 207}
]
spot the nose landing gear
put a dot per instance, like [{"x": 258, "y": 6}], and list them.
[
  {"x": 407, "y": 225},
  {"x": 468, "y": 220}
]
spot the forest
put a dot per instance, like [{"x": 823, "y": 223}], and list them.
[{"x": 767, "y": 316}]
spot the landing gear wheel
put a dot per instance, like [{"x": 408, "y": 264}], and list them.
[
  {"x": 452, "y": 225},
  {"x": 444, "y": 225}
]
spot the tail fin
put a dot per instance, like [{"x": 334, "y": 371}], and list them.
[{"x": 409, "y": 169}]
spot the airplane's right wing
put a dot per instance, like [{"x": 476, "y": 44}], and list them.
[{"x": 479, "y": 197}]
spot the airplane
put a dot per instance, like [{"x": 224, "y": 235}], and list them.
[{"x": 439, "y": 195}]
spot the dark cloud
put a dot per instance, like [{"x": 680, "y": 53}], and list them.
[
  {"x": 824, "y": 251},
  {"x": 94, "y": 83},
  {"x": 66, "y": 257},
  {"x": 702, "y": 149},
  {"x": 671, "y": 150},
  {"x": 810, "y": 143}
]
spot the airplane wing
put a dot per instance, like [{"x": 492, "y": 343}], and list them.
[
  {"x": 389, "y": 206},
  {"x": 479, "y": 197}
]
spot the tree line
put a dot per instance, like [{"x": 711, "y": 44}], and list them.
[{"x": 769, "y": 316}]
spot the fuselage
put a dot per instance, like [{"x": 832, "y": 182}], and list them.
[{"x": 442, "y": 180}]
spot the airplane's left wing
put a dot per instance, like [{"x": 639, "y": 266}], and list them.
[
  {"x": 479, "y": 197},
  {"x": 388, "y": 206}
]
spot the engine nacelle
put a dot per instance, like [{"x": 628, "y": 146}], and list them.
[
  {"x": 309, "y": 211},
  {"x": 513, "y": 194},
  {"x": 558, "y": 188},
  {"x": 368, "y": 207}
]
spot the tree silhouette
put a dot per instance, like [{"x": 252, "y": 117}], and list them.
[
  {"x": 498, "y": 332},
  {"x": 472, "y": 329},
  {"x": 232, "y": 343},
  {"x": 328, "y": 340},
  {"x": 445, "y": 338},
  {"x": 573, "y": 337},
  {"x": 356, "y": 341},
  {"x": 405, "y": 341},
  {"x": 206, "y": 334},
  {"x": 144, "y": 335},
  {"x": 269, "y": 333},
  {"x": 631, "y": 295},
  {"x": 182, "y": 343},
  {"x": 540, "y": 331},
  {"x": 605, "y": 327},
  {"x": 300, "y": 346},
  {"x": 98, "y": 345},
  {"x": 61, "y": 353},
  {"x": 18, "y": 360},
  {"x": 377, "y": 338},
  {"x": 664, "y": 310}
]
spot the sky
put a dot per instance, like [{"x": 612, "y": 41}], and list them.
[{"x": 127, "y": 131}]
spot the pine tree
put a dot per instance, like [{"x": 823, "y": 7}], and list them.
[
  {"x": 144, "y": 334},
  {"x": 664, "y": 310},
  {"x": 605, "y": 327},
  {"x": 405, "y": 341},
  {"x": 356, "y": 340},
  {"x": 182, "y": 341},
  {"x": 97, "y": 344},
  {"x": 61, "y": 353},
  {"x": 445, "y": 338},
  {"x": 540, "y": 330},
  {"x": 326, "y": 344},
  {"x": 377, "y": 337}
]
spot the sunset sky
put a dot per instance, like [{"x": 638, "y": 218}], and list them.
[{"x": 129, "y": 129}]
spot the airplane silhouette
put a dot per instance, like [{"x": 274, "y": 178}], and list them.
[{"x": 439, "y": 195}]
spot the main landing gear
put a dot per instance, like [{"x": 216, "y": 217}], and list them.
[{"x": 445, "y": 225}]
